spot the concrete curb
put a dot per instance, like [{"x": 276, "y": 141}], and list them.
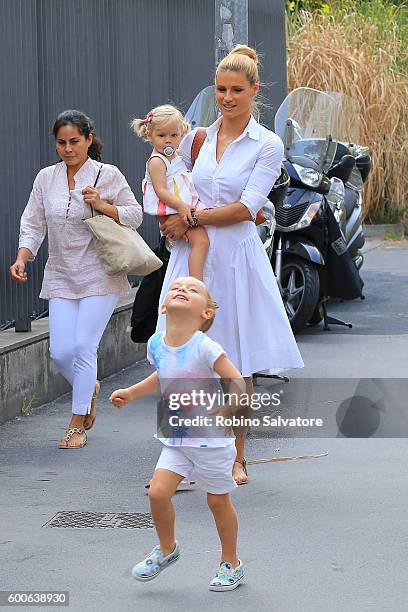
[
  {"x": 29, "y": 378},
  {"x": 378, "y": 231}
]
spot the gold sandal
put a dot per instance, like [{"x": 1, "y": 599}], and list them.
[
  {"x": 68, "y": 435},
  {"x": 244, "y": 467},
  {"x": 92, "y": 412}
]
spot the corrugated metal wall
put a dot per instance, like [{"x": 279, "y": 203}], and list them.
[
  {"x": 113, "y": 59},
  {"x": 266, "y": 32}
]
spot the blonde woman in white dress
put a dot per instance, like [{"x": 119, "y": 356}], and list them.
[
  {"x": 81, "y": 295},
  {"x": 238, "y": 164}
]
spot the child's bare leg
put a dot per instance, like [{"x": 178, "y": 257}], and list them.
[
  {"x": 227, "y": 525},
  {"x": 238, "y": 471},
  {"x": 162, "y": 487},
  {"x": 199, "y": 243}
]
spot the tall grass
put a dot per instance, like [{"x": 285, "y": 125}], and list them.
[{"x": 359, "y": 48}]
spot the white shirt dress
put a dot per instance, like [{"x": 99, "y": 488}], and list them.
[
  {"x": 73, "y": 269},
  {"x": 251, "y": 322}
]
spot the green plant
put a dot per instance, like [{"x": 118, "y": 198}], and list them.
[
  {"x": 295, "y": 7},
  {"x": 386, "y": 214},
  {"x": 27, "y": 403},
  {"x": 393, "y": 236}
]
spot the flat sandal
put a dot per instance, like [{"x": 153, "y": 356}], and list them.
[
  {"x": 68, "y": 435},
  {"x": 244, "y": 467}
]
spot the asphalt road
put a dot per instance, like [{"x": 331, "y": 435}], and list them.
[{"x": 317, "y": 535}]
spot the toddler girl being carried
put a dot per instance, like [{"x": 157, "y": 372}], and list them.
[{"x": 167, "y": 187}]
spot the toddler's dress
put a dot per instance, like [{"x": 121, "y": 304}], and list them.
[{"x": 179, "y": 182}]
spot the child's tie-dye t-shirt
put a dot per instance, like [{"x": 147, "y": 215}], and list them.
[{"x": 187, "y": 376}]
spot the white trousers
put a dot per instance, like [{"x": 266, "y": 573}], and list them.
[{"x": 76, "y": 328}]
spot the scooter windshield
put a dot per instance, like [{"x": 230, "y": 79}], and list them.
[
  {"x": 349, "y": 126},
  {"x": 348, "y": 118},
  {"x": 307, "y": 122},
  {"x": 203, "y": 111}
]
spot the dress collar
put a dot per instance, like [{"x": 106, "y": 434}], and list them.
[{"x": 252, "y": 129}]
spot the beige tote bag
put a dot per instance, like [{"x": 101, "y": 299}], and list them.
[{"x": 121, "y": 249}]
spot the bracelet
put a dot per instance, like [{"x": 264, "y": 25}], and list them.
[{"x": 194, "y": 222}]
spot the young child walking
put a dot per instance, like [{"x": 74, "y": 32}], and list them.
[
  {"x": 167, "y": 187},
  {"x": 184, "y": 351}
]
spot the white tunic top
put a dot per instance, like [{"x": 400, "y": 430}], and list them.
[
  {"x": 251, "y": 322},
  {"x": 73, "y": 269}
]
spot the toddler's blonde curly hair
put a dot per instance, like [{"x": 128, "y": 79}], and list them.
[{"x": 160, "y": 115}]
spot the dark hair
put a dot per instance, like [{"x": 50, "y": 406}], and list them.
[{"x": 85, "y": 127}]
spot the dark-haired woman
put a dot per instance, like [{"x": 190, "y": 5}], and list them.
[{"x": 81, "y": 295}]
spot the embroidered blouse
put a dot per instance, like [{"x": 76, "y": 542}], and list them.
[{"x": 73, "y": 269}]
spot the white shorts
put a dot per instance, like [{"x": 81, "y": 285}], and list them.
[{"x": 211, "y": 468}]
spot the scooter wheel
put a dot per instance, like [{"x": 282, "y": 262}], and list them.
[{"x": 300, "y": 291}]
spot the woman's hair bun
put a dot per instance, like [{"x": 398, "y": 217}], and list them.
[
  {"x": 245, "y": 50},
  {"x": 241, "y": 59}
]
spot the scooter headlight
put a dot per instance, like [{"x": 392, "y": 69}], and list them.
[{"x": 308, "y": 176}]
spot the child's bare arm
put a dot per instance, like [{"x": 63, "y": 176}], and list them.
[
  {"x": 236, "y": 388},
  {"x": 157, "y": 172},
  {"x": 121, "y": 397},
  {"x": 226, "y": 369}
]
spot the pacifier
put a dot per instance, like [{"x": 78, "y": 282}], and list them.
[{"x": 168, "y": 151}]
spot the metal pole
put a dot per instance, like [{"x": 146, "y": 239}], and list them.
[{"x": 231, "y": 26}]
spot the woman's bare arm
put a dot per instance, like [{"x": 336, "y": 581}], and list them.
[
  {"x": 226, "y": 215},
  {"x": 174, "y": 227},
  {"x": 17, "y": 269}
]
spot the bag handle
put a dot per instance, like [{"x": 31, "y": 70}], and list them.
[
  {"x": 198, "y": 141},
  {"x": 96, "y": 180}
]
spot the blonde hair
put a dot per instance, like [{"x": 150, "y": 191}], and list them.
[
  {"x": 160, "y": 115},
  {"x": 241, "y": 59},
  {"x": 210, "y": 304}
]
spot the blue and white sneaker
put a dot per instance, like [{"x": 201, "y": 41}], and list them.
[
  {"x": 227, "y": 578},
  {"x": 154, "y": 563}
]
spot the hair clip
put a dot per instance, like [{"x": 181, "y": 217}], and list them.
[{"x": 149, "y": 118}]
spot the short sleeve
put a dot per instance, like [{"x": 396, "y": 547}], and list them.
[
  {"x": 33, "y": 225},
  {"x": 155, "y": 349},
  {"x": 149, "y": 355},
  {"x": 210, "y": 351},
  {"x": 264, "y": 174},
  {"x": 184, "y": 149}
]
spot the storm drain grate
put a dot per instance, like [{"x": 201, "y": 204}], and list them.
[{"x": 101, "y": 520}]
